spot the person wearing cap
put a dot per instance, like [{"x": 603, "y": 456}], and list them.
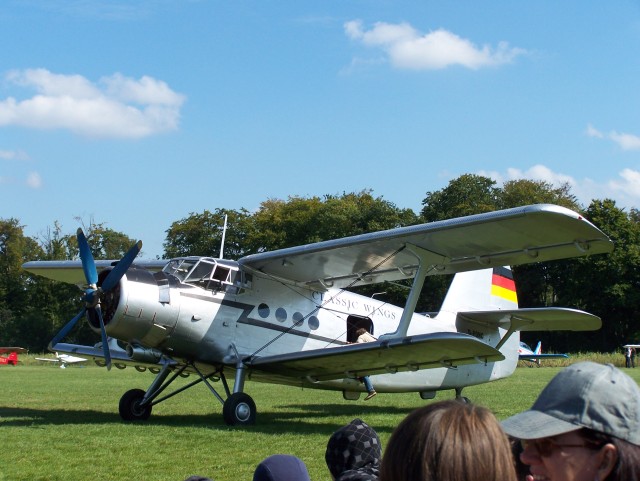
[
  {"x": 353, "y": 453},
  {"x": 281, "y": 467},
  {"x": 584, "y": 426},
  {"x": 448, "y": 441}
]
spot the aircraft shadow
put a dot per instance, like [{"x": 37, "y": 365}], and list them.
[{"x": 281, "y": 422}]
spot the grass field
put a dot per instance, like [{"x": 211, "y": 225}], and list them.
[{"x": 63, "y": 424}]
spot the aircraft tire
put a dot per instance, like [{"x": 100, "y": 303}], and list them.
[
  {"x": 129, "y": 407},
  {"x": 239, "y": 409}
]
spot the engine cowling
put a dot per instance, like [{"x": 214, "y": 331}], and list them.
[{"x": 136, "y": 311}]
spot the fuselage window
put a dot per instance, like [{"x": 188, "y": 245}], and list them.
[
  {"x": 314, "y": 323},
  {"x": 281, "y": 314},
  {"x": 297, "y": 318},
  {"x": 263, "y": 310}
]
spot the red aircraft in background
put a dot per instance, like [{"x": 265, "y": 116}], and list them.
[{"x": 12, "y": 358}]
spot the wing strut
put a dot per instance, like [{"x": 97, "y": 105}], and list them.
[
  {"x": 424, "y": 267},
  {"x": 516, "y": 324}
]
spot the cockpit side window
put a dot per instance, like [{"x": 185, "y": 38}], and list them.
[
  {"x": 179, "y": 268},
  {"x": 221, "y": 274}
]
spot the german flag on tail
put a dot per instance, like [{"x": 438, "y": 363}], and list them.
[{"x": 503, "y": 285}]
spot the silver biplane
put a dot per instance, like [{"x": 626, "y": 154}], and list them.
[{"x": 286, "y": 317}]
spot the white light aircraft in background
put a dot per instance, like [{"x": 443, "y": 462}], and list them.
[
  {"x": 63, "y": 359},
  {"x": 534, "y": 356},
  {"x": 285, "y": 316}
]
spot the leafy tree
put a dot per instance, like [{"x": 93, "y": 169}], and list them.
[
  {"x": 278, "y": 224},
  {"x": 201, "y": 234},
  {"x": 105, "y": 243},
  {"x": 515, "y": 193},
  {"x": 468, "y": 194},
  {"x": 17, "y": 294},
  {"x": 298, "y": 221},
  {"x": 605, "y": 285}
]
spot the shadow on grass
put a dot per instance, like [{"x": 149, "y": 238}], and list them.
[{"x": 295, "y": 418}]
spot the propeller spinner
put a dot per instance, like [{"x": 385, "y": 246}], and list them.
[{"x": 93, "y": 293}]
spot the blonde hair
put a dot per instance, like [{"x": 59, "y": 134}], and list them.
[{"x": 448, "y": 441}]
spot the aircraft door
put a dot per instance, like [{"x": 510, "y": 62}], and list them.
[{"x": 356, "y": 322}]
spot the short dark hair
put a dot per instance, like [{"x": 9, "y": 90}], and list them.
[{"x": 628, "y": 462}]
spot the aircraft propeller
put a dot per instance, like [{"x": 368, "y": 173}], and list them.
[{"x": 93, "y": 292}]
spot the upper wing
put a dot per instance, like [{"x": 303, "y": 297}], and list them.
[
  {"x": 509, "y": 237},
  {"x": 71, "y": 271},
  {"x": 412, "y": 353},
  {"x": 49, "y": 359},
  {"x": 535, "y": 319}
]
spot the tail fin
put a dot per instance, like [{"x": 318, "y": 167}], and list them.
[
  {"x": 538, "y": 349},
  {"x": 483, "y": 290},
  {"x": 13, "y": 358}
]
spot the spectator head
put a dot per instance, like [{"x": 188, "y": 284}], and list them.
[
  {"x": 585, "y": 425},
  {"x": 448, "y": 441},
  {"x": 354, "y": 452},
  {"x": 281, "y": 467}
]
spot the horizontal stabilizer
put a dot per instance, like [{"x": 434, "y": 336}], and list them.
[
  {"x": 533, "y": 319},
  {"x": 425, "y": 351},
  {"x": 533, "y": 357}
]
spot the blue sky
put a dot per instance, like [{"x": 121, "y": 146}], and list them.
[{"x": 136, "y": 114}]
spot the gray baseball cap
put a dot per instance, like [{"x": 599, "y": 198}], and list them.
[{"x": 584, "y": 395}]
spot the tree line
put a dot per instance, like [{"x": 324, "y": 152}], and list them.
[{"x": 33, "y": 309}]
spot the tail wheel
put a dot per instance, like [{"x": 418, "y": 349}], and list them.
[
  {"x": 130, "y": 407},
  {"x": 239, "y": 409}
]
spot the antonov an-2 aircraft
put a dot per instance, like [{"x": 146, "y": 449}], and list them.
[{"x": 285, "y": 316}]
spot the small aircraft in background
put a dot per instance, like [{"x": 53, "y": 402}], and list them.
[
  {"x": 12, "y": 358},
  {"x": 288, "y": 316},
  {"x": 63, "y": 359},
  {"x": 534, "y": 356}
]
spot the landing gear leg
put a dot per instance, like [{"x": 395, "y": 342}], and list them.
[
  {"x": 460, "y": 397},
  {"x": 239, "y": 408}
]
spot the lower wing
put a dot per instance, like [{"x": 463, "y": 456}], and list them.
[{"x": 413, "y": 353}]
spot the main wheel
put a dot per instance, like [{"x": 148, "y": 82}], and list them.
[
  {"x": 130, "y": 408},
  {"x": 239, "y": 409}
]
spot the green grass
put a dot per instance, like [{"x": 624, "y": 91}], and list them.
[{"x": 63, "y": 424}]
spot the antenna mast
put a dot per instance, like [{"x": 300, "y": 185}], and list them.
[{"x": 224, "y": 233}]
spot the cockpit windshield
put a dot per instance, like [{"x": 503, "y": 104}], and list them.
[
  {"x": 208, "y": 273},
  {"x": 179, "y": 267}
]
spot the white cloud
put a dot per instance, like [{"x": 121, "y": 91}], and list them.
[
  {"x": 623, "y": 140},
  {"x": 115, "y": 107},
  {"x": 593, "y": 132},
  {"x": 13, "y": 155},
  {"x": 34, "y": 180},
  {"x": 624, "y": 189},
  {"x": 628, "y": 184},
  {"x": 409, "y": 49}
]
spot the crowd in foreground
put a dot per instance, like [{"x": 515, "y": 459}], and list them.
[{"x": 584, "y": 426}]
